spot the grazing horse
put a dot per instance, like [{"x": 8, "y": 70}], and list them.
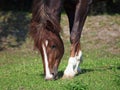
[{"x": 45, "y": 29}]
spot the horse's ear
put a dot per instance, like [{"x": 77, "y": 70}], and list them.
[
  {"x": 49, "y": 25},
  {"x": 53, "y": 26}
]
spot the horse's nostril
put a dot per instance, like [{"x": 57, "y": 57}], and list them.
[{"x": 53, "y": 74}]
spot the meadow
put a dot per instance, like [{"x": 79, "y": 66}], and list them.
[{"x": 21, "y": 66}]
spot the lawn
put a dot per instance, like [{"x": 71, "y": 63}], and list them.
[{"x": 21, "y": 67}]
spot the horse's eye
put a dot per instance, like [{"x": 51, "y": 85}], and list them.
[{"x": 53, "y": 46}]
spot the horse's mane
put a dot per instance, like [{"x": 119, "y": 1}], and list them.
[{"x": 42, "y": 21}]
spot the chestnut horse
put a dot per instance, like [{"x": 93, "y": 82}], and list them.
[{"x": 45, "y": 29}]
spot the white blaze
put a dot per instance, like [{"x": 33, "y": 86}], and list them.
[{"x": 48, "y": 75}]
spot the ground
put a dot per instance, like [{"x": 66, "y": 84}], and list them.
[{"x": 21, "y": 67}]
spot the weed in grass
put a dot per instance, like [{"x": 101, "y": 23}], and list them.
[
  {"x": 117, "y": 80},
  {"x": 76, "y": 85}
]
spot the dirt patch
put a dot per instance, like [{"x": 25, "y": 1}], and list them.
[{"x": 99, "y": 31}]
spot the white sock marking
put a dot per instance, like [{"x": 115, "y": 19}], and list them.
[
  {"x": 48, "y": 75},
  {"x": 78, "y": 60},
  {"x": 79, "y": 56},
  {"x": 73, "y": 65},
  {"x": 70, "y": 67}
]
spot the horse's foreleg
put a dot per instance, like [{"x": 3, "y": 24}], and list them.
[
  {"x": 73, "y": 63},
  {"x": 72, "y": 68}
]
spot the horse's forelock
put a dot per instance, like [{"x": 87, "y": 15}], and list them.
[
  {"x": 43, "y": 21},
  {"x": 40, "y": 33},
  {"x": 42, "y": 15}
]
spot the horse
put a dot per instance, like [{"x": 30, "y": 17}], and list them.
[{"x": 45, "y": 30}]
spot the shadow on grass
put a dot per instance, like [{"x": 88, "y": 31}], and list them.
[
  {"x": 118, "y": 68},
  {"x": 60, "y": 74},
  {"x": 13, "y": 29},
  {"x": 83, "y": 71}
]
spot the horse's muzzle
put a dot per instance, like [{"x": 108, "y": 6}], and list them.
[{"x": 53, "y": 75}]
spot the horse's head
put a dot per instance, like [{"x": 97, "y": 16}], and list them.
[
  {"x": 52, "y": 52},
  {"x": 50, "y": 45}
]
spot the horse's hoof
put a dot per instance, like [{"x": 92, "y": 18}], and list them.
[
  {"x": 47, "y": 79},
  {"x": 67, "y": 77}
]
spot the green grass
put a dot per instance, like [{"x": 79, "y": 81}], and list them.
[{"x": 21, "y": 68}]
